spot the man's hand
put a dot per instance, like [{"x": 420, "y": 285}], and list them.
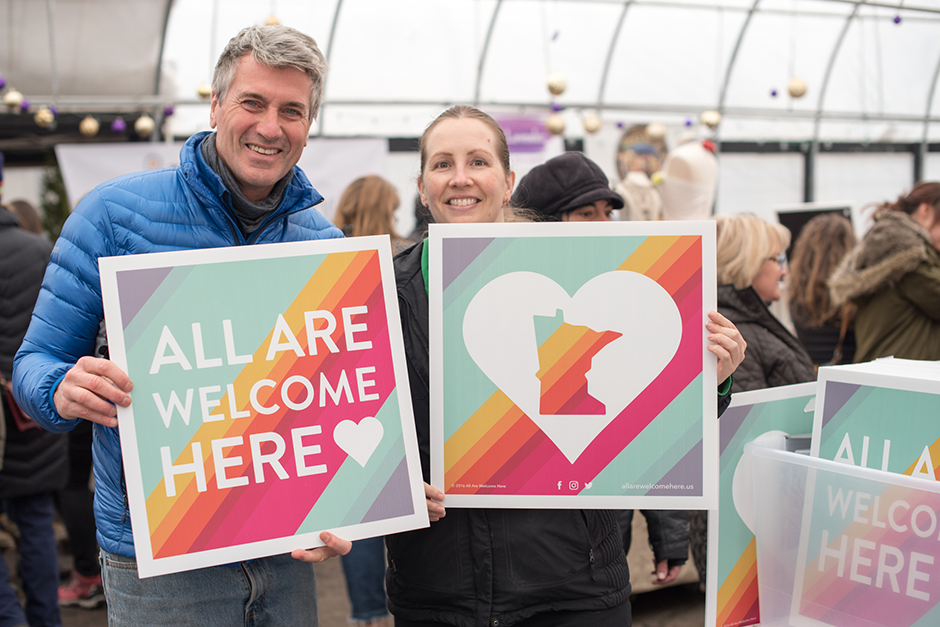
[
  {"x": 728, "y": 344},
  {"x": 664, "y": 574},
  {"x": 334, "y": 546},
  {"x": 434, "y": 498},
  {"x": 91, "y": 389}
]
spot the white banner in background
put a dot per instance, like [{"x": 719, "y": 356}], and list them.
[{"x": 330, "y": 164}]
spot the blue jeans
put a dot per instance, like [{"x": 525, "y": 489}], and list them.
[
  {"x": 38, "y": 565},
  {"x": 275, "y": 591},
  {"x": 364, "y": 567}
]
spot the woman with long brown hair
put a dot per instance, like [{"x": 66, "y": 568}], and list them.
[
  {"x": 824, "y": 328},
  {"x": 893, "y": 277},
  {"x": 367, "y": 207}
]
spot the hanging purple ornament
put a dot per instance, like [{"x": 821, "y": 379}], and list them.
[
  {"x": 773, "y": 92},
  {"x": 619, "y": 124},
  {"x": 556, "y": 107},
  {"x": 168, "y": 111},
  {"x": 897, "y": 19},
  {"x": 24, "y": 106},
  {"x": 3, "y": 82},
  {"x": 688, "y": 122},
  {"x": 119, "y": 125}
]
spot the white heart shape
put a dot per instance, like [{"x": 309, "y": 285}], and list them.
[
  {"x": 359, "y": 441},
  {"x": 499, "y": 333},
  {"x": 742, "y": 482}
]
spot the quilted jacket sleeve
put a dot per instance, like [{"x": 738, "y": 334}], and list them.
[{"x": 67, "y": 314}]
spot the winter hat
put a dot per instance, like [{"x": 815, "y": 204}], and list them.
[{"x": 563, "y": 184}]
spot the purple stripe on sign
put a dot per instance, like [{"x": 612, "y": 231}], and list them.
[
  {"x": 837, "y": 395},
  {"x": 395, "y": 498},
  {"x": 681, "y": 480},
  {"x": 460, "y": 253},
  {"x": 135, "y": 288},
  {"x": 729, "y": 424}
]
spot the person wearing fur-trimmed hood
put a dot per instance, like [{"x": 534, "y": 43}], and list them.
[{"x": 893, "y": 276}]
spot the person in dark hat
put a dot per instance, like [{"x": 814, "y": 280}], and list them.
[{"x": 568, "y": 188}]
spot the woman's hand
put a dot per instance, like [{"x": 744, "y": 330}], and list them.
[
  {"x": 728, "y": 344},
  {"x": 434, "y": 498},
  {"x": 334, "y": 546}
]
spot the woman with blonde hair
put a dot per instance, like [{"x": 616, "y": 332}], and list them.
[
  {"x": 751, "y": 264},
  {"x": 367, "y": 207}
]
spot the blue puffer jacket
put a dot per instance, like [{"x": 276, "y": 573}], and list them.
[{"x": 176, "y": 209}]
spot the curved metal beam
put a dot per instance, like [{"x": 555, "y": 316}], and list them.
[
  {"x": 814, "y": 144},
  {"x": 731, "y": 61},
  {"x": 484, "y": 51},
  {"x": 610, "y": 52},
  {"x": 166, "y": 22},
  {"x": 923, "y": 141},
  {"x": 329, "y": 55}
]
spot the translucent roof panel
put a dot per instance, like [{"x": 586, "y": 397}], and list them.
[
  {"x": 101, "y": 48},
  {"x": 883, "y": 67},
  {"x": 776, "y": 48},
  {"x": 532, "y": 38},
  {"x": 421, "y": 50},
  {"x": 672, "y": 55}
]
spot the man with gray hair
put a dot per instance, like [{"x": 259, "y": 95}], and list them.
[{"x": 235, "y": 186}]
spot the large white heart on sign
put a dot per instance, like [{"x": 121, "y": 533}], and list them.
[
  {"x": 359, "y": 441},
  {"x": 499, "y": 333}
]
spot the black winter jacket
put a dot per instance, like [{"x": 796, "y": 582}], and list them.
[
  {"x": 774, "y": 356},
  {"x": 34, "y": 460},
  {"x": 492, "y": 567}
]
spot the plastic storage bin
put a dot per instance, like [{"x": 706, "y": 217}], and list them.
[{"x": 844, "y": 546}]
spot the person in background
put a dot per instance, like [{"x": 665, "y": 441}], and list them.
[
  {"x": 751, "y": 264},
  {"x": 367, "y": 207},
  {"x": 576, "y": 189},
  {"x": 236, "y": 186},
  {"x": 893, "y": 277},
  {"x": 28, "y": 216},
  {"x": 824, "y": 329},
  {"x": 569, "y": 565},
  {"x": 34, "y": 461},
  {"x": 568, "y": 188}
]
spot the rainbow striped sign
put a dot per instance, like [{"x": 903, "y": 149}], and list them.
[
  {"x": 568, "y": 365},
  {"x": 270, "y": 399},
  {"x": 767, "y": 417}
]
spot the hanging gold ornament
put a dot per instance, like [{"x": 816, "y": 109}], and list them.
[
  {"x": 88, "y": 126},
  {"x": 711, "y": 119},
  {"x": 555, "y": 124},
  {"x": 144, "y": 125},
  {"x": 204, "y": 90},
  {"x": 13, "y": 99},
  {"x": 656, "y": 131},
  {"x": 272, "y": 21},
  {"x": 44, "y": 117},
  {"x": 796, "y": 87},
  {"x": 557, "y": 83},
  {"x": 592, "y": 123}
]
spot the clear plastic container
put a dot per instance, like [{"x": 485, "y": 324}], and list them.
[{"x": 877, "y": 535}]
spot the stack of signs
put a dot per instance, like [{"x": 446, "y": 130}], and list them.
[
  {"x": 569, "y": 365},
  {"x": 870, "y": 550},
  {"x": 270, "y": 399},
  {"x": 769, "y": 417}
]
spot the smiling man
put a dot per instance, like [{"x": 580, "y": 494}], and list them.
[{"x": 236, "y": 186}]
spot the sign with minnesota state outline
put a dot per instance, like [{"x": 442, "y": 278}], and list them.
[
  {"x": 569, "y": 365},
  {"x": 270, "y": 401}
]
